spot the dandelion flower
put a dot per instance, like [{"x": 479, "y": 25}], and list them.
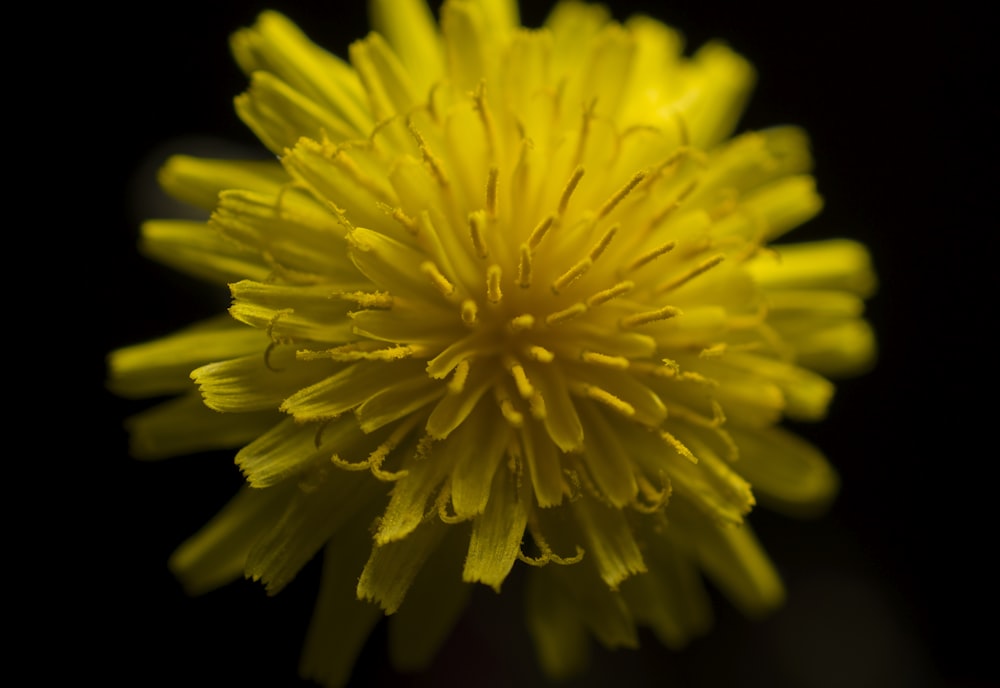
[{"x": 507, "y": 297}]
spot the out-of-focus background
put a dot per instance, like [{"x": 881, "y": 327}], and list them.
[{"x": 891, "y": 588}]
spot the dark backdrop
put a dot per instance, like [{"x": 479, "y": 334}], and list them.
[{"x": 885, "y": 590}]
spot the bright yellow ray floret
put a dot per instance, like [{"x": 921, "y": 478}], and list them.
[{"x": 508, "y": 296}]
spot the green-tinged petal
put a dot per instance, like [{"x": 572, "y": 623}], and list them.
[
  {"x": 544, "y": 465},
  {"x": 319, "y": 505},
  {"x": 426, "y": 469},
  {"x": 497, "y": 533},
  {"x": 163, "y": 366},
  {"x": 290, "y": 448},
  {"x": 559, "y": 636},
  {"x": 787, "y": 473},
  {"x": 601, "y": 609},
  {"x": 198, "y": 250},
  {"x": 257, "y": 382},
  {"x": 606, "y": 457},
  {"x": 185, "y": 425},
  {"x": 217, "y": 553},
  {"x": 392, "y": 567},
  {"x": 670, "y": 599},
  {"x": 734, "y": 560},
  {"x": 610, "y": 543},
  {"x": 341, "y": 622},
  {"x": 199, "y": 181},
  {"x": 433, "y": 607},
  {"x": 480, "y": 443}
]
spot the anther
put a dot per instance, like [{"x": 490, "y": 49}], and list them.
[
  {"x": 433, "y": 162},
  {"x": 470, "y": 312},
  {"x": 574, "y": 311},
  {"x": 476, "y": 224},
  {"x": 614, "y": 292},
  {"x": 571, "y": 275},
  {"x": 604, "y": 241},
  {"x": 439, "y": 281},
  {"x": 522, "y": 322},
  {"x": 608, "y": 399},
  {"x": 620, "y": 195},
  {"x": 409, "y": 224},
  {"x": 524, "y": 386},
  {"x": 493, "y": 293},
  {"x": 524, "y": 267},
  {"x": 491, "y": 191},
  {"x": 507, "y": 410},
  {"x": 650, "y": 256},
  {"x": 539, "y": 232},
  {"x": 571, "y": 185},
  {"x": 615, "y": 362},
  {"x": 646, "y": 317},
  {"x": 700, "y": 269},
  {"x": 541, "y": 354}
]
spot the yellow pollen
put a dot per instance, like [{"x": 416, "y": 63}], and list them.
[
  {"x": 574, "y": 311},
  {"x": 493, "y": 293},
  {"x": 678, "y": 446},
  {"x": 614, "y": 292},
  {"x": 646, "y": 317},
  {"x": 476, "y": 223},
  {"x": 439, "y": 281},
  {"x": 568, "y": 190},
  {"x": 700, "y": 269},
  {"x": 620, "y": 195}
]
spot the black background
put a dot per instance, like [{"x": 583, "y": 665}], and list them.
[{"x": 892, "y": 588}]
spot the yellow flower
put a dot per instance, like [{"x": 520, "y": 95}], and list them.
[{"x": 507, "y": 296}]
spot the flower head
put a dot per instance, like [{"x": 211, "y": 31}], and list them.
[{"x": 506, "y": 296}]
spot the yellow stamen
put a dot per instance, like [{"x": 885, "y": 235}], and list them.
[
  {"x": 620, "y": 195},
  {"x": 439, "y": 281},
  {"x": 646, "y": 317},
  {"x": 574, "y": 311},
  {"x": 699, "y": 269},
  {"x": 614, "y": 292},
  {"x": 568, "y": 190},
  {"x": 650, "y": 256},
  {"x": 476, "y": 224},
  {"x": 493, "y": 293}
]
